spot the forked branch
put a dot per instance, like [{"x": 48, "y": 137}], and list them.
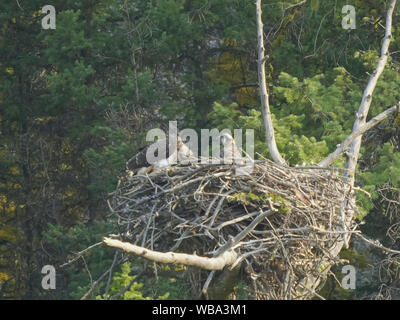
[{"x": 361, "y": 117}]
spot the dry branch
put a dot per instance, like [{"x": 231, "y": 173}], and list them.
[
  {"x": 347, "y": 211},
  {"x": 361, "y": 118},
  {"x": 280, "y": 221},
  {"x": 361, "y": 130},
  {"x": 366, "y": 101},
  {"x": 226, "y": 258},
  {"x": 273, "y": 149}
]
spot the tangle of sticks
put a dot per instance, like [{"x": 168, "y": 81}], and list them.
[{"x": 280, "y": 222}]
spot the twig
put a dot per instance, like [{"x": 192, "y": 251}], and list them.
[
  {"x": 79, "y": 254},
  {"x": 97, "y": 282},
  {"x": 244, "y": 233},
  {"x": 361, "y": 130},
  {"x": 110, "y": 273},
  {"x": 377, "y": 244}
]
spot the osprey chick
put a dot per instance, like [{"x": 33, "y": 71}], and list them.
[
  {"x": 230, "y": 152},
  {"x": 141, "y": 165}
]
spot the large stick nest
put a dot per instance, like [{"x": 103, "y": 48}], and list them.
[{"x": 198, "y": 209}]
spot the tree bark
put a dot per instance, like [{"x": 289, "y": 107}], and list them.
[
  {"x": 218, "y": 263},
  {"x": 363, "y": 110},
  {"x": 225, "y": 284},
  {"x": 273, "y": 149},
  {"x": 223, "y": 257},
  {"x": 361, "y": 116}
]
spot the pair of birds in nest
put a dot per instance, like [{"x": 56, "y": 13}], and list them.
[{"x": 176, "y": 153}]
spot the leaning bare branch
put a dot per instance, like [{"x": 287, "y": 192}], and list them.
[
  {"x": 100, "y": 279},
  {"x": 366, "y": 101},
  {"x": 361, "y": 117},
  {"x": 79, "y": 254},
  {"x": 377, "y": 244},
  {"x": 110, "y": 274},
  {"x": 296, "y": 5},
  {"x": 361, "y": 130},
  {"x": 245, "y": 232},
  {"x": 218, "y": 263}
]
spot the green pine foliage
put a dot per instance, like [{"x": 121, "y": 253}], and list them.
[
  {"x": 123, "y": 279},
  {"x": 75, "y": 279},
  {"x": 386, "y": 172}
]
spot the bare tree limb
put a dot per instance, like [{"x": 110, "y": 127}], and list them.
[
  {"x": 94, "y": 284},
  {"x": 218, "y": 263},
  {"x": 98, "y": 281},
  {"x": 377, "y": 244},
  {"x": 361, "y": 116},
  {"x": 361, "y": 130},
  {"x": 363, "y": 110},
  {"x": 273, "y": 149},
  {"x": 223, "y": 257},
  {"x": 244, "y": 233},
  {"x": 110, "y": 273},
  {"x": 296, "y": 5},
  {"x": 79, "y": 254},
  {"x": 352, "y": 155}
]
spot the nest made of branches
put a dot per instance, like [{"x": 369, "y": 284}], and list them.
[{"x": 200, "y": 208}]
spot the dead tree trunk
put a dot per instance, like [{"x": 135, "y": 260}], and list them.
[
  {"x": 269, "y": 128},
  {"x": 361, "y": 116},
  {"x": 366, "y": 101}
]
